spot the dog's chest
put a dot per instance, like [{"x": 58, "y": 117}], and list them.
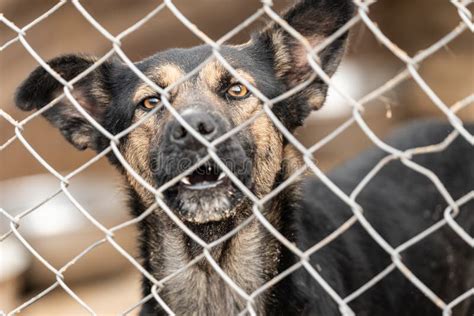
[
  {"x": 200, "y": 290},
  {"x": 201, "y": 293}
]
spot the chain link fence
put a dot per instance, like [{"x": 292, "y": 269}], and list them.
[{"x": 357, "y": 118}]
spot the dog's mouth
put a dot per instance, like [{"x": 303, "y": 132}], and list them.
[
  {"x": 204, "y": 178},
  {"x": 205, "y": 195}
]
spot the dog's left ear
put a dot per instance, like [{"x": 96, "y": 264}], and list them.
[
  {"x": 315, "y": 20},
  {"x": 92, "y": 93}
]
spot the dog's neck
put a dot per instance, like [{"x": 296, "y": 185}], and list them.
[{"x": 250, "y": 258}]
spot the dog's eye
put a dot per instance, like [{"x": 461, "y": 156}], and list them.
[
  {"x": 237, "y": 91},
  {"x": 150, "y": 103}
]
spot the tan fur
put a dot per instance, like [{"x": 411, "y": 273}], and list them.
[
  {"x": 98, "y": 91},
  {"x": 268, "y": 143},
  {"x": 206, "y": 286},
  {"x": 165, "y": 75},
  {"x": 136, "y": 151},
  {"x": 282, "y": 55},
  {"x": 292, "y": 160},
  {"x": 81, "y": 140},
  {"x": 300, "y": 54},
  {"x": 315, "y": 98},
  {"x": 211, "y": 74},
  {"x": 290, "y": 57}
]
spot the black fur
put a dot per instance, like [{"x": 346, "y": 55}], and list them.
[{"x": 399, "y": 203}]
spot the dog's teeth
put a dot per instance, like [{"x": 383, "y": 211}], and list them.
[
  {"x": 185, "y": 180},
  {"x": 221, "y": 176}
]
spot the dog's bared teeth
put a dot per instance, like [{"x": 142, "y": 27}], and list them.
[
  {"x": 221, "y": 176},
  {"x": 185, "y": 180}
]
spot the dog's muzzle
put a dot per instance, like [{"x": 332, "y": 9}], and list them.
[{"x": 206, "y": 194}]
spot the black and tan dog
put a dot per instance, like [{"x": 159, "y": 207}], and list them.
[{"x": 399, "y": 202}]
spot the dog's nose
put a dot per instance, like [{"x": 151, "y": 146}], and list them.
[{"x": 200, "y": 121}]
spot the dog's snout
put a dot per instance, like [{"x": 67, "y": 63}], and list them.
[{"x": 200, "y": 121}]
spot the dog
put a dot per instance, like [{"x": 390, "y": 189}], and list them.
[{"x": 399, "y": 202}]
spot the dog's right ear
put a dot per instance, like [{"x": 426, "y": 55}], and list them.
[
  {"x": 92, "y": 93},
  {"x": 315, "y": 20}
]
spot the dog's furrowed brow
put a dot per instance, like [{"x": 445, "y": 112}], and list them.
[
  {"x": 166, "y": 74},
  {"x": 245, "y": 75},
  {"x": 212, "y": 73},
  {"x": 215, "y": 73},
  {"x": 163, "y": 75}
]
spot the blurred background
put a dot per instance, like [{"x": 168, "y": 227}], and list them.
[{"x": 58, "y": 231}]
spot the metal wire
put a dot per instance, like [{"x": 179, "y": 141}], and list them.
[{"x": 358, "y": 106}]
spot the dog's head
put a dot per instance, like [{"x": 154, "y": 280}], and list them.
[{"x": 211, "y": 101}]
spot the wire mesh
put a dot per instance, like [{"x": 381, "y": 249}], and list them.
[{"x": 411, "y": 72}]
